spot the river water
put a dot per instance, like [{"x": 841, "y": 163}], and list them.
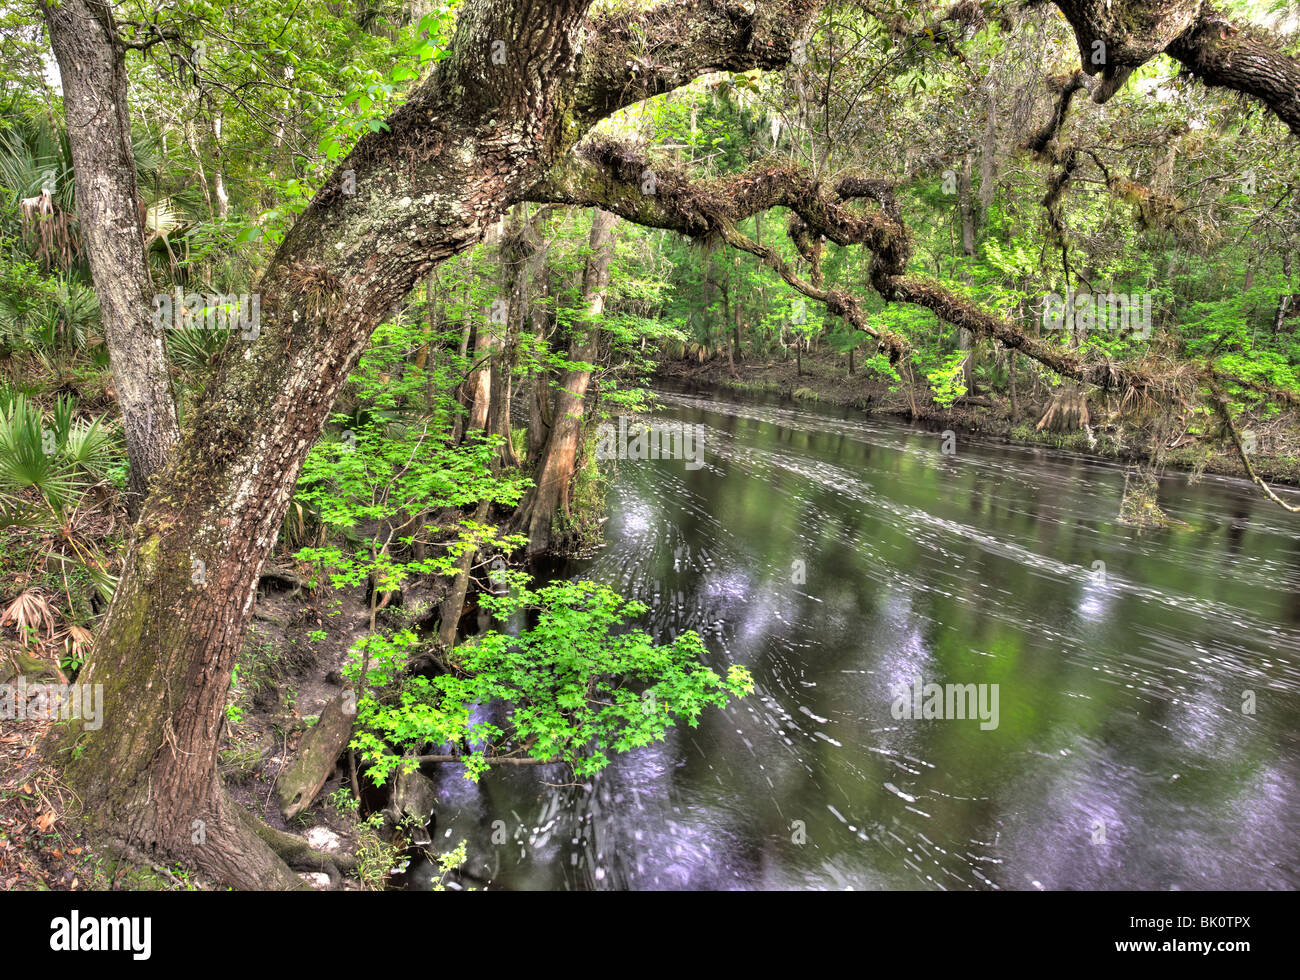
[{"x": 1148, "y": 682}]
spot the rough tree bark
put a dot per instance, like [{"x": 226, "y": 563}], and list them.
[
  {"x": 92, "y": 67},
  {"x": 1117, "y": 36}
]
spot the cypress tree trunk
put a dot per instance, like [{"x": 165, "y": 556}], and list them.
[{"x": 549, "y": 497}]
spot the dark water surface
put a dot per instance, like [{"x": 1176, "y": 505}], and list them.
[{"x": 1122, "y": 757}]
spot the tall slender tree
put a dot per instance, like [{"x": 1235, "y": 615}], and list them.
[
  {"x": 92, "y": 68},
  {"x": 553, "y": 478}
]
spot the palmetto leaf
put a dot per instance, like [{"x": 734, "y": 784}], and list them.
[
  {"x": 30, "y": 612},
  {"x": 18, "y": 512},
  {"x": 160, "y": 218},
  {"x": 24, "y": 460},
  {"x": 195, "y": 350},
  {"x": 89, "y": 448},
  {"x": 56, "y": 460}
]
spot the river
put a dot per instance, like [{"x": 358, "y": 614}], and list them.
[{"x": 1148, "y": 682}]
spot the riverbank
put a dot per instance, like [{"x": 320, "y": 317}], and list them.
[{"x": 823, "y": 379}]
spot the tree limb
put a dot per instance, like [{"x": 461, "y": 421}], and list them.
[
  {"x": 631, "y": 57},
  {"x": 1116, "y": 37},
  {"x": 622, "y": 179}
]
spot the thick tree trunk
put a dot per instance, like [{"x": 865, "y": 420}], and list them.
[
  {"x": 426, "y": 189},
  {"x": 549, "y": 497},
  {"x": 1232, "y": 56},
  {"x": 1067, "y": 411},
  {"x": 93, "y": 71}
]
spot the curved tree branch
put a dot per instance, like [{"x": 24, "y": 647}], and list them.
[
  {"x": 622, "y": 179},
  {"x": 1116, "y": 37},
  {"x": 629, "y": 58}
]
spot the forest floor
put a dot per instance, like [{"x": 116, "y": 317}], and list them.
[
  {"x": 824, "y": 380},
  {"x": 288, "y": 672},
  {"x": 40, "y": 849}
]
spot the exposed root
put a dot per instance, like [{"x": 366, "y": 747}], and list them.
[{"x": 298, "y": 854}]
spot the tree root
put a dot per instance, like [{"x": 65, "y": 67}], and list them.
[
  {"x": 296, "y": 853},
  {"x": 236, "y": 849},
  {"x": 1066, "y": 412}
]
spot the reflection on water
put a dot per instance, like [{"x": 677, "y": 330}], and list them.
[{"x": 1123, "y": 757}]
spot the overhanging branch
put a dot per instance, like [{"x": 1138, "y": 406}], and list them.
[
  {"x": 631, "y": 57},
  {"x": 622, "y": 179}
]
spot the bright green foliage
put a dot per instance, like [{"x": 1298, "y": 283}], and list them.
[
  {"x": 392, "y": 459},
  {"x": 577, "y": 686},
  {"x": 448, "y": 862},
  {"x": 946, "y": 380},
  {"x": 388, "y": 469}
]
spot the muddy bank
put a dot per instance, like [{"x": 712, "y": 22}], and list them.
[{"x": 824, "y": 379}]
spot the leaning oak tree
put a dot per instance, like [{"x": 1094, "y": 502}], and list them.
[
  {"x": 524, "y": 80},
  {"x": 495, "y": 124}
]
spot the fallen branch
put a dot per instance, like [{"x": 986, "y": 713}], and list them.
[{"x": 1220, "y": 402}]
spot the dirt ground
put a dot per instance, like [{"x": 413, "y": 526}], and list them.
[{"x": 297, "y": 647}]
